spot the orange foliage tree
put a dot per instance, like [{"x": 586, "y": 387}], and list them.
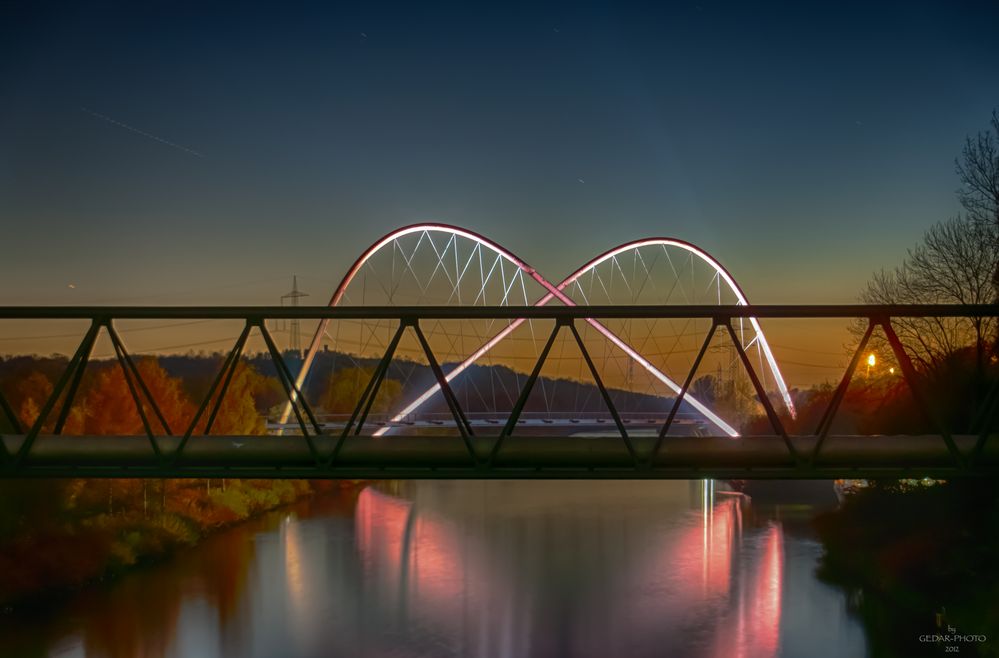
[
  {"x": 33, "y": 390},
  {"x": 238, "y": 413},
  {"x": 105, "y": 406}
]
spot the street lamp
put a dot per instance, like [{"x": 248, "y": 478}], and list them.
[{"x": 871, "y": 360}]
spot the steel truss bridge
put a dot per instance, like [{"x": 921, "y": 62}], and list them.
[{"x": 463, "y": 448}]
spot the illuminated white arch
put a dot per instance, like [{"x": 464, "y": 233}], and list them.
[
  {"x": 720, "y": 270},
  {"x": 389, "y": 238},
  {"x": 554, "y": 292}
]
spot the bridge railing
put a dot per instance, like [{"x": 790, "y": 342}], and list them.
[{"x": 317, "y": 452}]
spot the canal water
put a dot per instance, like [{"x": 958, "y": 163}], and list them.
[{"x": 438, "y": 568}]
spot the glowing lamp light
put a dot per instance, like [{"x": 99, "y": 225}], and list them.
[
  {"x": 871, "y": 360},
  {"x": 891, "y": 371}
]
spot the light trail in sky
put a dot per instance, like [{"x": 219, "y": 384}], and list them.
[{"x": 141, "y": 132}]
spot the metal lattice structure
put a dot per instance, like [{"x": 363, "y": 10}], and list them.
[{"x": 460, "y": 451}]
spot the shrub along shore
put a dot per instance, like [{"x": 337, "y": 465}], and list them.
[
  {"x": 57, "y": 535},
  {"x": 76, "y": 544},
  {"x": 916, "y": 559}
]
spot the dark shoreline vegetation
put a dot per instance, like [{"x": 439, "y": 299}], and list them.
[
  {"x": 919, "y": 559},
  {"x": 46, "y": 563},
  {"x": 906, "y": 553}
]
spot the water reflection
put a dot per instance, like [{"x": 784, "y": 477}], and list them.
[{"x": 475, "y": 569}]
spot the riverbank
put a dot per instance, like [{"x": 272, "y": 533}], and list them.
[
  {"x": 79, "y": 545},
  {"x": 455, "y": 568},
  {"x": 917, "y": 560}
]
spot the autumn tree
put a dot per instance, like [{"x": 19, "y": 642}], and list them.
[
  {"x": 33, "y": 391},
  {"x": 239, "y": 412},
  {"x": 105, "y": 406},
  {"x": 345, "y": 386}
]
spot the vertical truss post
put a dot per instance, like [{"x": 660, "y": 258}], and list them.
[
  {"x": 118, "y": 350},
  {"x": 288, "y": 384},
  {"x": 74, "y": 370},
  {"x": 825, "y": 423},
  {"x": 604, "y": 393},
  {"x": 228, "y": 367},
  {"x": 518, "y": 407},
  {"x": 683, "y": 391},
  {"x": 464, "y": 427},
  {"x": 120, "y": 345},
  {"x": 761, "y": 392},
  {"x": 912, "y": 379}
]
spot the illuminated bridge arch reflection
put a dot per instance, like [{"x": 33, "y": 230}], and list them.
[{"x": 576, "y": 576}]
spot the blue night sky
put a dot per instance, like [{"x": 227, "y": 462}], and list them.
[{"x": 175, "y": 155}]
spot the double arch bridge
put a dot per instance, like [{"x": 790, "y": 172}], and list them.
[{"x": 473, "y": 313}]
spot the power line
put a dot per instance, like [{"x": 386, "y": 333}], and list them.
[
  {"x": 803, "y": 349},
  {"x": 227, "y": 286},
  {"x": 123, "y": 331},
  {"x": 228, "y": 339},
  {"x": 812, "y": 365}
]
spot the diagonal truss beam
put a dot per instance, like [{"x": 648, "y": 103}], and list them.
[
  {"x": 525, "y": 392},
  {"x": 11, "y": 417},
  {"x": 761, "y": 393},
  {"x": 825, "y": 423},
  {"x": 912, "y": 379},
  {"x": 126, "y": 360},
  {"x": 73, "y": 373},
  {"x": 371, "y": 392},
  {"x": 223, "y": 378},
  {"x": 604, "y": 393},
  {"x": 368, "y": 396},
  {"x": 683, "y": 390},
  {"x": 464, "y": 427},
  {"x": 120, "y": 353},
  {"x": 295, "y": 397}
]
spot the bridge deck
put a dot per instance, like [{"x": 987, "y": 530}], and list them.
[{"x": 410, "y": 457}]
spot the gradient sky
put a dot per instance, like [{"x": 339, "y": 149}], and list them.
[{"x": 171, "y": 154}]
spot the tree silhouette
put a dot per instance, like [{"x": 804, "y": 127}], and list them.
[
  {"x": 953, "y": 264},
  {"x": 957, "y": 262},
  {"x": 978, "y": 169}
]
